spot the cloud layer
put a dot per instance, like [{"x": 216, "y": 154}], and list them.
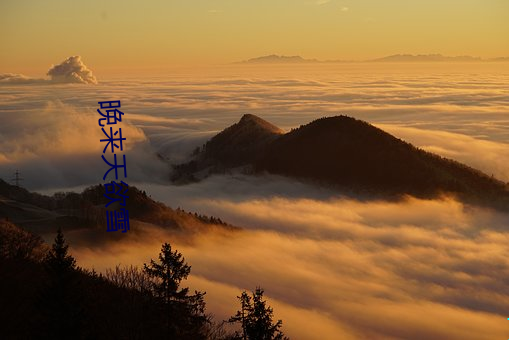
[
  {"x": 59, "y": 145},
  {"x": 340, "y": 268},
  {"x": 420, "y": 269},
  {"x": 18, "y": 79},
  {"x": 71, "y": 70},
  {"x": 459, "y": 113}
]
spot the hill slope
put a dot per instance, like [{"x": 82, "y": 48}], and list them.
[
  {"x": 86, "y": 211},
  {"x": 237, "y": 145}
]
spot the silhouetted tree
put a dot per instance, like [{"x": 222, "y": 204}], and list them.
[
  {"x": 129, "y": 277},
  {"x": 255, "y": 318},
  {"x": 49, "y": 297},
  {"x": 58, "y": 260},
  {"x": 185, "y": 314},
  {"x": 61, "y": 297}
]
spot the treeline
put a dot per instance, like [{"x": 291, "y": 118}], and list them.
[
  {"x": 204, "y": 218},
  {"x": 87, "y": 209},
  {"x": 44, "y": 294}
]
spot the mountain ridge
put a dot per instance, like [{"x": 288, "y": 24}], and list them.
[
  {"x": 232, "y": 147},
  {"x": 86, "y": 211},
  {"x": 351, "y": 155},
  {"x": 424, "y": 58}
]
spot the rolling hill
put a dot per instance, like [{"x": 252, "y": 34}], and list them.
[
  {"x": 86, "y": 212},
  {"x": 348, "y": 154}
]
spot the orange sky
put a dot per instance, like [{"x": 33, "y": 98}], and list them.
[{"x": 132, "y": 35}]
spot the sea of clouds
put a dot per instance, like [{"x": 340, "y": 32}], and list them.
[
  {"x": 418, "y": 269},
  {"x": 333, "y": 267},
  {"x": 459, "y": 113}
]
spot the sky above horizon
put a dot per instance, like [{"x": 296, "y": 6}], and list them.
[{"x": 135, "y": 36}]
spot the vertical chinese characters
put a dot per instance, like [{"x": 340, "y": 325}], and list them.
[{"x": 114, "y": 192}]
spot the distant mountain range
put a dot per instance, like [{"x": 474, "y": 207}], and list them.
[
  {"x": 277, "y": 59},
  {"x": 344, "y": 153},
  {"x": 426, "y": 58},
  {"x": 280, "y": 59}
]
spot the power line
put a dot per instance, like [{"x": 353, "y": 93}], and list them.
[{"x": 17, "y": 178}]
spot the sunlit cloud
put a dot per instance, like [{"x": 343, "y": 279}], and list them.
[
  {"x": 17, "y": 78},
  {"x": 338, "y": 267},
  {"x": 356, "y": 269},
  {"x": 488, "y": 156},
  {"x": 71, "y": 70},
  {"x": 177, "y": 114},
  {"x": 60, "y": 144}
]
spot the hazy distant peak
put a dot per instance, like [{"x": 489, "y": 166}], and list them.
[
  {"x": 277, "y": 59},
  {"x": 432, "y": 57},
  {"x": 426, "y": 57}
]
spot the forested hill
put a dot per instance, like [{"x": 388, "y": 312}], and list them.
[
  {"x": 86, "y": 210},
  {"x": 348, "y": 154}
]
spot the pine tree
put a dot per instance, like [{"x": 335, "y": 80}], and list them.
[
  {"x": 255, "y": 317},
  {"x": 61, "y": 298},
  {"x": 185, "y": 316},
  {"x": 58, "y": 260},
  {"x": 242, "y": 315}
]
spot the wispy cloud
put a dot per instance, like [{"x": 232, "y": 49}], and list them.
[
  {"x": 487, "y": 156},
  {"x": 18, "y": 79}
]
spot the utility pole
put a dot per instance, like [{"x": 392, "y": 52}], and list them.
[{"x": 17, "y": 178}]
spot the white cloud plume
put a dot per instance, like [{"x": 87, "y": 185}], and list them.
[{"x": 72, "y": 70}]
